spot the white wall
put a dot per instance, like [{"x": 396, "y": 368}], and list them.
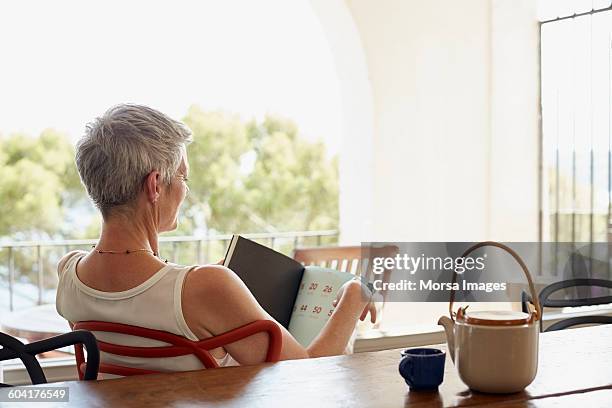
[
  {"x": 515, "y": 131},
  {"x": 356, "y": 159},
  {"x": 452, "y": 152}
]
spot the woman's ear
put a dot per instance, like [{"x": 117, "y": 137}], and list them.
[{"x": 151, "y": 186}]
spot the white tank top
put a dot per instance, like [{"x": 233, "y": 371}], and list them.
[{"x": 154, "y": 304}]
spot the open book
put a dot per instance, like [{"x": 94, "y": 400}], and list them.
[{"x": 300, "y": 298}]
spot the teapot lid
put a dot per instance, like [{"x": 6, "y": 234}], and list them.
[{"x": 495, "y": 318}]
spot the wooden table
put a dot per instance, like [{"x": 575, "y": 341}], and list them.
[
  {"x": 575, "y": 369},
  {"x": 34, "y": 323},
  {"x": 592, "y": 399}
]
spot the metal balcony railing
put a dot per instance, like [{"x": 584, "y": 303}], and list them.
[{"x": 170, "y": 247}]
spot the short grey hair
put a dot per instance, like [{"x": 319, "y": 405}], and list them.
[{"x": 122, "y": 146}]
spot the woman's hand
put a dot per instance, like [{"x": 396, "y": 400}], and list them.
[
  {"x": 370, "y": 307},
  {"x": 354, "y": 288}
]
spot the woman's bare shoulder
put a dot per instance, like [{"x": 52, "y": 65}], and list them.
[
  {"x": 208, "y": 272},
  {"x": 213, "y": 281}
]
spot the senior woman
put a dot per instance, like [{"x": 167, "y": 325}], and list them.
[{"x": 133, "y": 163}]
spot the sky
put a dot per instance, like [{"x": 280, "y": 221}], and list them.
[{"x": 62, "y": 63}]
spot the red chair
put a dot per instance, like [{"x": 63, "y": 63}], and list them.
[{"x": 179, "y": 346}]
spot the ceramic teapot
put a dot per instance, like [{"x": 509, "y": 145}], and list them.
[{"x": 497, "y": 351}]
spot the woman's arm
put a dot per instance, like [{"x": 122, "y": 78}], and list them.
[
  {"x": 216, "y": 300},
  {"x": 351, "y": 305}
]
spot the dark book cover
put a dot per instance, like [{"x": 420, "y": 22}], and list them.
[{"x": 272, "y": 277}]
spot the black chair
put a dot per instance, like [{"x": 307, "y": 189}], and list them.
[
  {"x": 13, "y": 348},
  {"x": 572, "y": 321}
]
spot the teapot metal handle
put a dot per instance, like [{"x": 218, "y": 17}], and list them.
[{"x": 534, "y": 295}]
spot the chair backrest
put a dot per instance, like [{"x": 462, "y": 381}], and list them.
[
  {"x": 13, "y": 348},
  {"x": 545, "y": 301},
  {"x": 178, "y": 345},
  {"x": 345, "y": 259}
]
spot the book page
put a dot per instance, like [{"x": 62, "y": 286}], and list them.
[{"x": 313, "y": 304}]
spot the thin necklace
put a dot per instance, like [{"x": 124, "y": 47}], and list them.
[{"x": 127, "y": 251}]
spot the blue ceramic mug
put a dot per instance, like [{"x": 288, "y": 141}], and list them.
[{"x": 422, "y": 368}]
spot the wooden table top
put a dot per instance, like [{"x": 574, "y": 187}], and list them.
[
  {"x": 575, "y": 366},
  {"x": 592, "y": 399},
  {"x": 34, "y": 323}
]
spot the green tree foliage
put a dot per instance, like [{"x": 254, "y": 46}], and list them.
[
  {"x": 216, "y": 192},
  {"x": 247, "y": 176},
  {"x": 293, "y": 183},
  {"x": 38, "y": 182}
]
